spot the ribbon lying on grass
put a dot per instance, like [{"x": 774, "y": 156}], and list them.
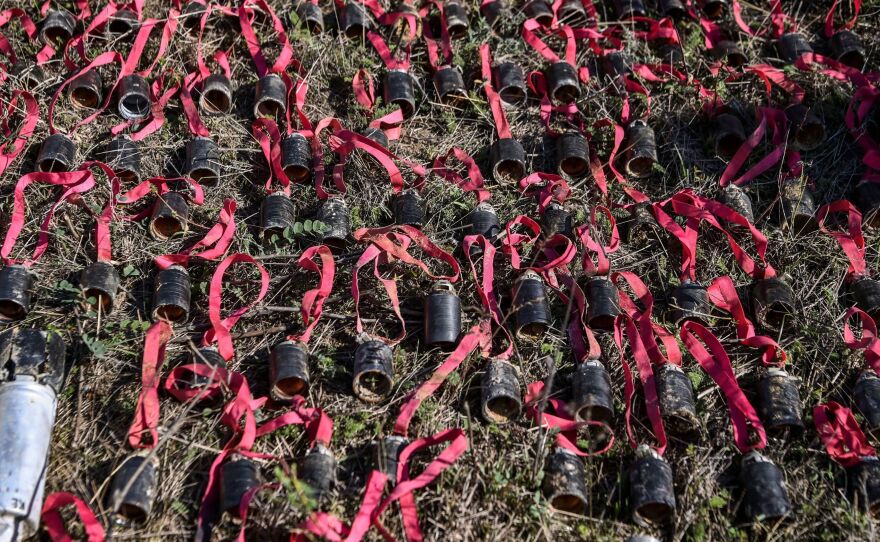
[{"x": 841, "y": 434}]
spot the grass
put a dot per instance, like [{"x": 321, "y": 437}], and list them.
[{"x": 493, "y": 492}]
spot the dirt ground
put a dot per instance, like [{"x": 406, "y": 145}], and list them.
[{"x": 493, "y": 491}]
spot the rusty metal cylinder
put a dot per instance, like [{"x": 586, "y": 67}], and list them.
[
  {"x": 497, "y": 16},
  {"x": 356, "y": 20},
  {"x": 628, "y": 9},
  {"x": 863, "y": 485},
  {"x": 407, "y": 209},
  {"x": 171, "y": 294},
  {"x": 387, "y": 455},
  {"x": 501, "y": 398},
  {"x": 277, "y": 213},
  {"x": 124, "y": 158},
  {"x": 797, "y": 207},
  {"x": 318, "y": 470},
  {"x": 806, "y": 129},
  {"x": 792, "y": 46},
  {"x": 773, "y": 302},
  {"x": 865, "y": 293},
  {"x": 729, "y": 52},
  {"x": 296, "y": 157},
  {"x": 215, "y": 97},
  {"x": 449, "y": 85},
  {"x": 737, "y": 199},
  {"x": 848, "y": 48},
  {"x": 270, "y": 97},
  {"x": 539, "y": 10},
  {"x": 442, "y": 316},
  {"x": 333, "y": 213},
  {"x": 572, "y": 13},
  {"x": 651, "y": 492},
  {"x": 484, "y": 221},
  {"x": 641, "y": 150},
  {"x": 728, "y": 135},
  {"x": 572, "y": 154},
  {"x": 373, "y": 371},
  {"x": 170, "y": 216},
  {"x": 100, "y": 282},
  {"x": 764, "y": 496},
  {"x": 866, "y": 397},
  {"x": 715, "y": 9},
  {"x": 139, "y": 474},
  {"x": 16, "y": 283},
  {"x": 604, "y": 304},
  {"x": 87, "y": 90},
  {"x": 779, "y": 404},
  {"x": 203, "y": 161},
  {"x": 57, "y": 154},
  {"x": 677, "y": 404},
  {"x": 310, "y": 14},
  {"x": 556, "y": 219},
  {"x": 689, "y": 301},
  {"x": 670, "y": 53},
  {"x": 564, "y": 484},
  {"x": 510, "y": 83},
  {"x": 456, "y": 19},
  {"x": 508, "y": 159},
  {"x": 122, "y": 22},
  {"x": 674, "y": 9},
  {"x": 563, "y": 84},
  {"x": 133, "y": 95},
  {"x": 397, "y": 89},
  {"x": 57, "y": 28},
  {"x": 591, "y": 398},
  {"x": 237, "y": 477},
  {"x": 531, "y": 307},
  {"x": 288, "y": 370}
]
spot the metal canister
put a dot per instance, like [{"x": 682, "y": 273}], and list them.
[
  {"x": 508, "y": 159},
  {"x": 764, "y": 494},
  {"x": 501, "y": 398},
  {"x": 651, "y": 493},
  {"x": 373, "y": 371},
  {"x": 288, "y": 370},
  {"x": 442, "y": 316},
  {"x": 564, "y": 482}
]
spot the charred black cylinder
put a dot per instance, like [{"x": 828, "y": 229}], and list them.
[
  {"x": 170, "y": 216},
  {"x": 135, "y": 504},
  {"x": 564, "y": 484},
  {"x": 641, "y": 151},
  {"x": 806, "y": 129},
  {"x": 863, "y": 484},
  {"x": 866, "y": 196},
  {"x": 591, "y": 392},
  {"x": 729, "y": 52},
  {"x": 773, "y": 301},
  {"x": 216, "y": 95},
  {"x": 627, "y": 9},
  {"x": 398, "y": 90},
  {"x": 714, "y": 9},
  {"x": 57, "y": 154},
  {"x": 572, "y": 13},
  {"x": 203, "y": 161},
  {"x": 484, "y": 221},
  {"x": 288, "y": 370},
  {"x": 450, "y": 86},
  {"x": 792, "y": 46},
  {"x": 798, "y": 207},
  {"x": 277, "y": 213},
  {"x": 237, "y": 476},
  {"x": 604, "y": 304},
  {"x": 572, "y": 154},
  {"x": 847, "y": 48},
  {"x": 377, "y": 135},
  {"x": 508, "y": 160},
  {"x": 510, "y": 82},
  {"x": 58, "y": 27},
  {"x": 124, "y": 157},
  {"x": 334, "y": 214},
  {"x": 640, "y": 226},
  {"x": 318, "y": 470},
  {"x": 100, "y": 281},
  {"x": 373, "y": 371},
  {"x": 442, "y": 316},
  {"x": 496, "y": 16},
  {"x": 16, "y": 282},
  {"x": 779, "y": 404},
  {"x": 556, "y": 219},
  {"x": 87, "y": 90},
  {"x": 456, "y": 19},
  {"x": 191, "y": 15},
  {"x": 171, "y": 294},
  {"x": 30, "y": 75},
  {"x": 311, "y": 15},
  {"x": 866, "y": 396},
  {"x": 270, "y": 97},
  {"x": 355, "y": 20},
  {"x": 670, "y": 53},
  {"x": 764, "y": 495},
  {"x": 296, "y": 157},
  {"x": 133, "y": 94},
  {"x": 866, "y": 295},
  {"x": 729, "y": 135},
  {"x": 737, "y": 199},
  {"x": 387, "y": 455},
  {"x": 677, "y": 406},
  {"x": 651, "y": 493},
  {"x": 615, "y": 67},
  {"x": 122, "y": 22},
  {"x": 501, "y": 399},
  {"x": 540, "y": 11},
  {"x": 562, "y": 83},
  {"x": 407, "y": 209},
  {"x": 531, "y": 306},
  {"x": 208, "y": 356},
  {"x": 674, "y": 9},
  {"x": 689, "y": 301}
]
